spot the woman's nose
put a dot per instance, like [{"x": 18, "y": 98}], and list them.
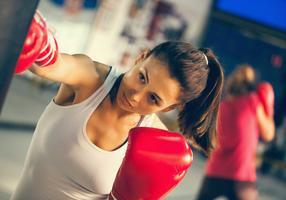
[{"x": 136, "y": 95}]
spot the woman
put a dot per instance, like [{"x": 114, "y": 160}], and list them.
[
  {"x": 80, "y": 139},
  {"x": 230, "y": 170}
]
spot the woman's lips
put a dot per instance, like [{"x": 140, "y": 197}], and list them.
[{"x": 127, "y": 102}]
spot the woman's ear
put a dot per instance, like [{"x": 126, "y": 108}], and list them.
[{"x": 142, "y": 55}]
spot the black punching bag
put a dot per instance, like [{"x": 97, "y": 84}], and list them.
[{"x": 15, "y": 19}]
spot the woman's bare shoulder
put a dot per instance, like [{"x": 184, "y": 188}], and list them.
[
  {"x": 92, "y": 73},
  {"x": 96, "y": 73}
]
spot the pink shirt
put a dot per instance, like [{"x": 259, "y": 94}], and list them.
[{"x": 238, "y": 135}]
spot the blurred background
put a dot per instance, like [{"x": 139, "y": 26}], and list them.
[{"x": 115, "y": 31}]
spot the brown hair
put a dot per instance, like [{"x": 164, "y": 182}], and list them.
[
  {"x": 241, "y": 81},
  {"x": 201, "y": 77}
]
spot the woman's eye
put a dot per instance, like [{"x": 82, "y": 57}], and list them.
[
  {"x": 142, "y": 78},
  {"x": 153, "y": 99}
]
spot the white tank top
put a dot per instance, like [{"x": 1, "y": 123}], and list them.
[{"x": 62, "y": 163}]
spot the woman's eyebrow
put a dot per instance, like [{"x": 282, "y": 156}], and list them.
[{"x": 147, "y": 76}]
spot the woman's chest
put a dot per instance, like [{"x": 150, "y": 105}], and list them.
[
  {"x": 106, "y": 132},
  {"x": 64, "y": 146}
]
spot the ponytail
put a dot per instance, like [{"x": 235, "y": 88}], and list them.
[{"x": 198, "y": 117}]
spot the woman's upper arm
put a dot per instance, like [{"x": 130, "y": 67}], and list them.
[
  {"x": 74, "y": 70},
  {"x": 265, "y": 124}
]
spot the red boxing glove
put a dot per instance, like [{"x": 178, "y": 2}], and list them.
[
  {"x": 155, "y": 162},
  {"x": 266, "y": 96},
  {"x": 49, "y": 52},
  {"x": 39, "y": 46}
]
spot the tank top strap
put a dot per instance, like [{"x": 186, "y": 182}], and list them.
[{"x": 97, "y": 97}]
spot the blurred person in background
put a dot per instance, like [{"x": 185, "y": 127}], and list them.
[{"x": 245, "y": 115}]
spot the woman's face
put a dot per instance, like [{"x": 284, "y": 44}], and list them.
[{"x": 148, "y": 88}]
